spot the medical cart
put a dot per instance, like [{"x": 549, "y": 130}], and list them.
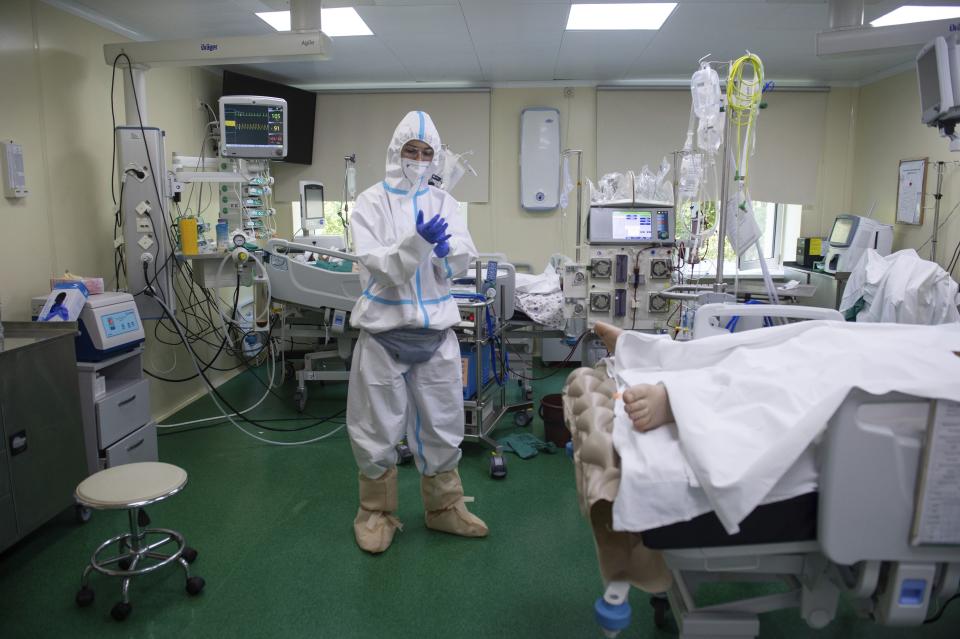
[{"x": 484, "y": 371}]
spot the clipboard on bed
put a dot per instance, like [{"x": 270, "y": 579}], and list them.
[{"x": 936, "y": 516}]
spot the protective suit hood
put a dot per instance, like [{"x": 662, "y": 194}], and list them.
[{"x": 416, "y": 125}]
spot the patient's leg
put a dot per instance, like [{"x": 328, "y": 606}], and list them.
[
  {"x": 608, "y": 334},
  {"x": 647, "y": 406}
]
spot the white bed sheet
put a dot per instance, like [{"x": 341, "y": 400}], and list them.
[{"x": 749, "y": 407}]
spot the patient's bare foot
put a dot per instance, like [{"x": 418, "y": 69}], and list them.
[
  {"x": 608, "y": 333},
  {"x": 647, "y": 406}
]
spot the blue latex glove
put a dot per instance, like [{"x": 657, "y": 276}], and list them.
[
  {"x": 432, "y": 231},
  {"x": 442, "y": 249}
]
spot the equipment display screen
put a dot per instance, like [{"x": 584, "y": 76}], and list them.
[
  {"x": 253, "y": 125},
  {"x": 929, "y": 79},
  {"x": 119, "y": 323},
  {"x": 313, "y": 196},
  {"x": 840, "y": 235},
  {"x": 632, "y": 225}
]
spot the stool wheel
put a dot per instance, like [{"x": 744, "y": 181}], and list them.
[
  {"x": 82, "y": 513},
  {"x": 195, "y": 585},
  {"x": 121, "y": 611},
  {"x": 189, "y": 554},
  {"x": 85, "y": 596}
]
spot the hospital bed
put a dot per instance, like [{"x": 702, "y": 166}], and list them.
[
  {"x": 852, "y": 536},
  {"x": 316, "y": 302}
]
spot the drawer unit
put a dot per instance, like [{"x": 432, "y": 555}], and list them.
[
  {"x": 122, "y": 412},
  {"x": 138, "y": 446},
  {"x": 4, "y": 473}
]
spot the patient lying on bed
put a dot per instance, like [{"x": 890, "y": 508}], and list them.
[{"x": 667, "y": 431}]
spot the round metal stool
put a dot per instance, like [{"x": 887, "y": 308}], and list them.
[{"x": 132, "y": 487}]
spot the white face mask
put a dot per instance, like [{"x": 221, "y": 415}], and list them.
[{"x": 413, "y": 170}]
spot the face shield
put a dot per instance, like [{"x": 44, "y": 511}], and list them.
[{"x": 416, "y": 158}]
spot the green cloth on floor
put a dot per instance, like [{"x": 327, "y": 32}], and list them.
[{"x": 525, "y": 445}]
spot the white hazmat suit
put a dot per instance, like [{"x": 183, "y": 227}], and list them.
[{"x": 407, "y": 286}]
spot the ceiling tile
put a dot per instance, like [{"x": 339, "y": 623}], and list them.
[
  {"x": 522, "y": 40},
  {"x": 600, "y": 56},
  {"x": 433, "y": 43}
]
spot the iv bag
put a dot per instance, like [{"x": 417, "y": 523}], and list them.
[
  {"x": 567, "y": 183},
  {"x": 710, "y": 133},
  {"x": 351, "y": 182},
  {"x": 705, "y": 90},
  {"x": 691, "y": 173}
]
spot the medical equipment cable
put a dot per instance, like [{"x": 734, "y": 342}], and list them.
[
  {"x": 153, "y": 175},
  {"x": 565, "y": 360},
  {"x": 157, "y": 270},
  {"x": 942, "y": 609},
  {"x": 216, "y": 355},
  {"x": 247, "y": 361},
  {"x": 217, "y": 397},
  {"x": 272, "y": 374}
]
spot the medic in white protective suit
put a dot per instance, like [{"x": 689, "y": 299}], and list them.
[{"x": 405, "y": 379}]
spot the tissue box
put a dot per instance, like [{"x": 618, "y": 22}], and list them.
[
  {"x": 94, "y": 285},
  {"x": 64, "y": 303}
]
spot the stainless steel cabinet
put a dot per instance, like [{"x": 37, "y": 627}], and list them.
[{"x": 42, "y": 460}]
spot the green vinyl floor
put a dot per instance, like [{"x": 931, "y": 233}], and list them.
[{"x": 273, "y": 528}]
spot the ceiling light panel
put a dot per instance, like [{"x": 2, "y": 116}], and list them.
[
  {"x": 619, "y": 17},
  {"x": 336, "y": 23},
  {"x": 915, "y": 13}
]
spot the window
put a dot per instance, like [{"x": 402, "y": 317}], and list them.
[
  {"x": 332, "y": 224},
  {"x": 780, "y": 224}
]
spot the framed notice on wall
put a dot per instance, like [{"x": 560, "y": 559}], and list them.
[{"x": 910, "y": 191}]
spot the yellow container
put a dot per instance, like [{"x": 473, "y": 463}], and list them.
[{"x": 188, "y": 235}]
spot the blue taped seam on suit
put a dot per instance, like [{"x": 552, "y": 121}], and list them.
[
  {"x": 393, "y": 190},
  {"x": 422, "y": 124},
  {"x": 383, "y": 300},
  {"x": 423, "y": 308}
]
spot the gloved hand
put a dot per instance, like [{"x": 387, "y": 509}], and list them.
[
  {"x": 442, "y": 249},
  {"x": 432, "y": 231}
]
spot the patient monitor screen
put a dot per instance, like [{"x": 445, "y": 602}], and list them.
[
  {"x": 253, "y": 127},
  {"x": 253, "y": 124},
  {"x": 632, "y": 225},
  {"x": 842, "y": 231}
]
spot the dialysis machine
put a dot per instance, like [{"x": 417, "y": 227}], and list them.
[
  {"x": 850, "y": 237},
  {"x": 629, "y": 260}
]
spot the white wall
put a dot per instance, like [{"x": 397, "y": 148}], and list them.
[
  {"x": 363, "y": 123},
  {"x": 501, "y": 225},
  {"x": 889, "y": 130},
  {"x": 56, "y": 103}
]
